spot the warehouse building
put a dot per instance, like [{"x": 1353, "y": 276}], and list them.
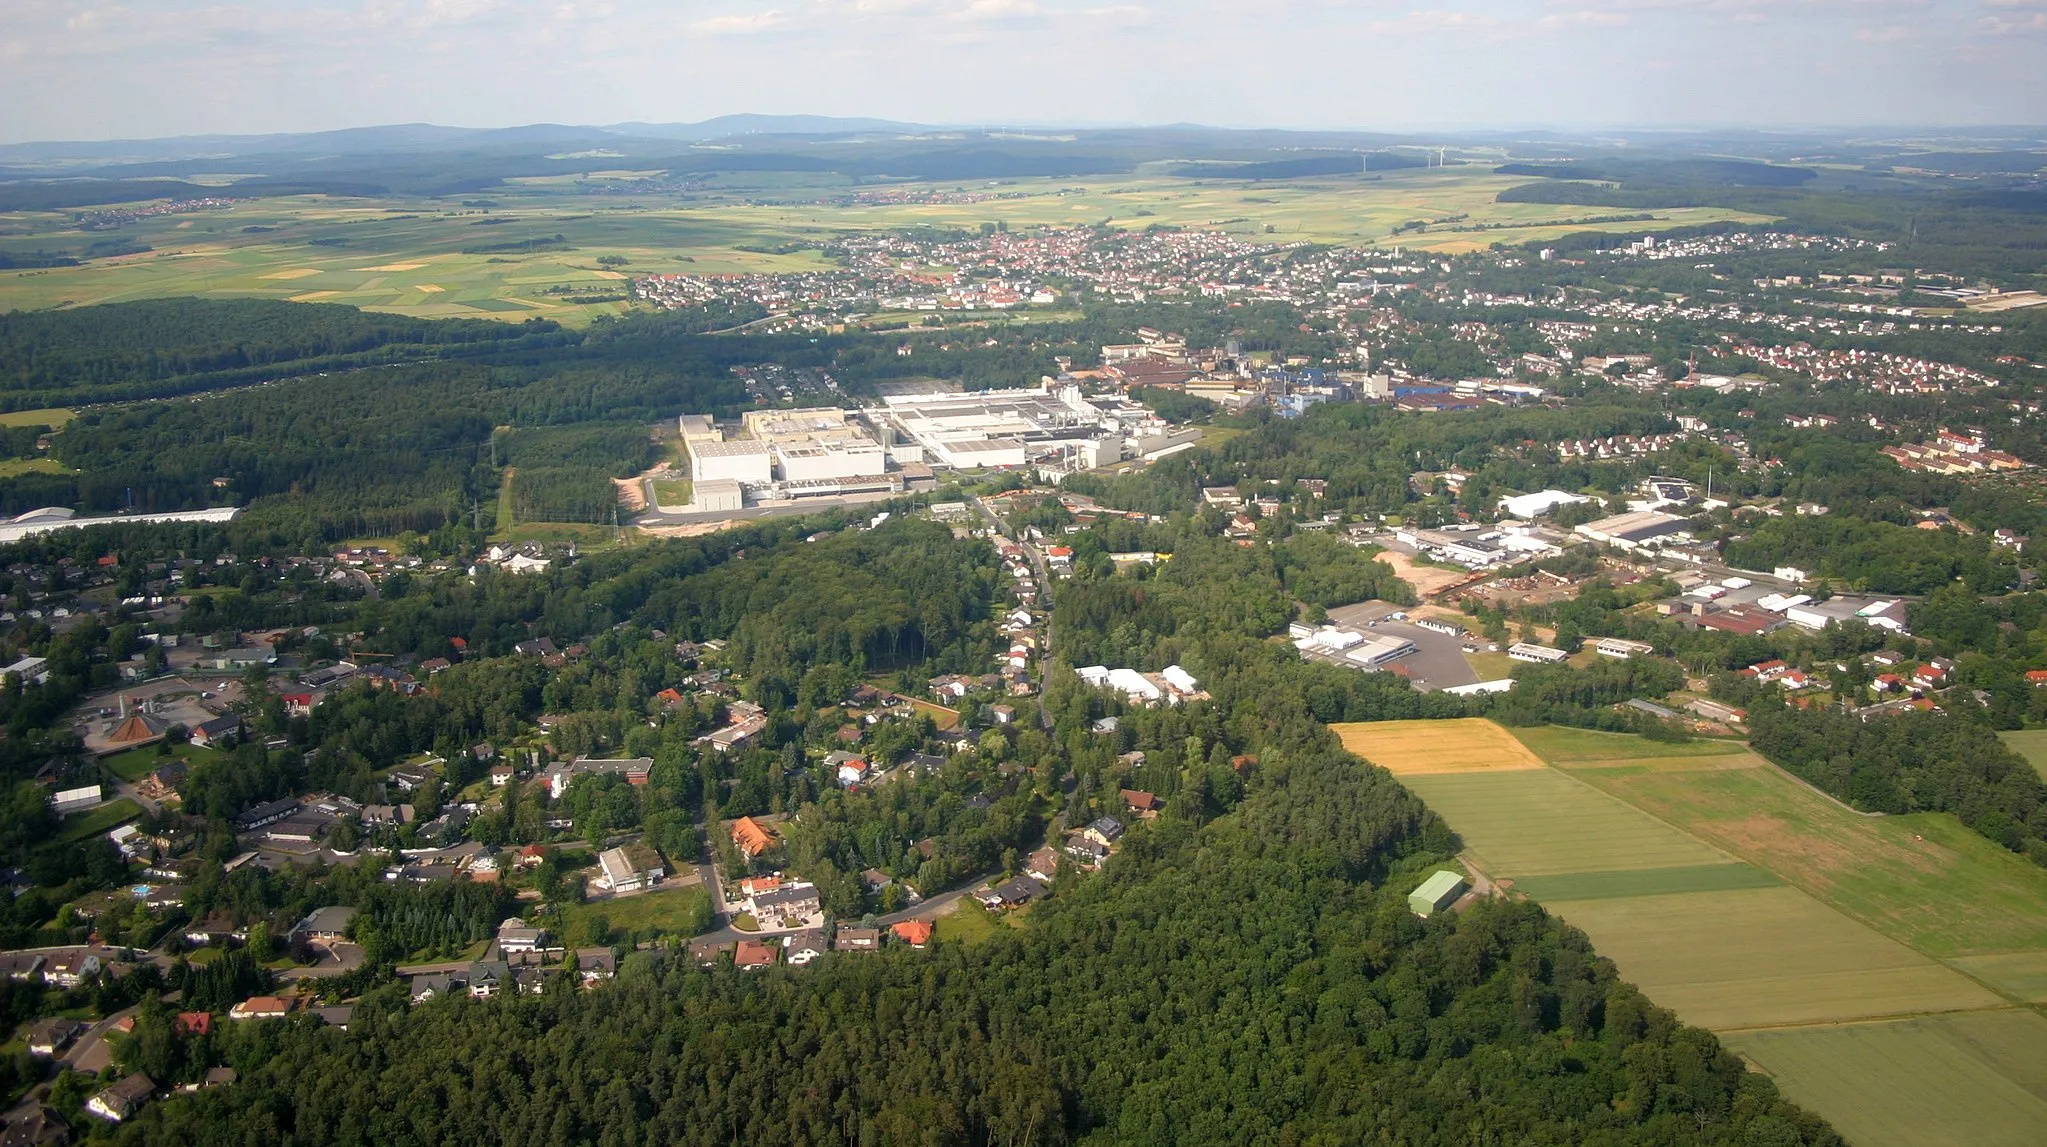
[
  {"x": 1437, "y": 893},
  {"x": 749, "y": 463},
  {"x": 717, "y": 495},
  {"x": 830, "y": 459},
  {"x": 1530, "y": 506},
  {"x": 1631, "y": 530},
  {"x": 1380, "y": 652}
]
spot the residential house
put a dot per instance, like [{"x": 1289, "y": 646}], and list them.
[
  {"x": 515, "y": 936},
  {"x": 34, "y": 1126},
  {"x": 260, "y": 1008},
  {"x": 48, "y": 1037},
  {"x": 1144, "y": 804},
  {"x": 424, "y": 988},
  {"x": 800, "y": 948},
  {"x": 487, "y": 978},
  {"x": 915, "y": 933},
  {"x": 1105, "y": 831},
  {"x": 751, "y": 838},
  {"x": 787, "y": 904},
  {"x": 753, "y": 955},
  {"x": 1086, "y": 849},
  {"x": 856, "y": 939},
  {"x": 595, "y": 965},
  {"x": 122, "y": 1099},
  {"x": 1043, "y": 864},
  {"x": 631, "y": 867},
  {"x": 1014, "y": 893},
  {"x": 706, "y": 952},
  {"x": 326, "y": 925}
]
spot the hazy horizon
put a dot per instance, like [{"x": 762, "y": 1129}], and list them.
[{"x": 186, "y": 67}]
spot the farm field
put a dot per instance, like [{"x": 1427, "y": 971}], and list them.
[
  {"x": 435, "y": 257},
  {"x": 1977, "y": 1079},
  {"x": 1406, "y": 748},
  {"x": 1878, "y": 967},
  {"x": 1923, "y": 879}
]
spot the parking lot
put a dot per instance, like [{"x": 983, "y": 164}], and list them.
[{"x": 1438, "y": 660}]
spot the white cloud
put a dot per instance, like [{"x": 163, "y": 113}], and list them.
[{"x": 730, "y": 25}]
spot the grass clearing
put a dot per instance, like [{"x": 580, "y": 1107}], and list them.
[
  {"x": 1975, "y": 1080},
  {"x": 673, "y": 911},
  {"x": 2030, "y": 744},
  {"x": 1540, "y": 822},
  {"x": 50, "y": 416},
  {"x": 106, "y": 818},
  {"x": 1409, "y": 748},
  {"x": 1923, "y": 879},
  {"x": 1563, "y": 746},
  {"x": 1766, "y": 957},
  {"x": 946, "y": 719},
  {"x": 16, "y": 467},
  {"x": 136, "y": 764}
]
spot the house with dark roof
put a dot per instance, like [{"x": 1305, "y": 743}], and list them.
[{"x": 122, "y": 1099}]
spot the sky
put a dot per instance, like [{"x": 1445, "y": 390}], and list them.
[{"x": 91, "y": 69}]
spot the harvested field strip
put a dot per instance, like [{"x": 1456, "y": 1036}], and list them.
[
  {"x": 1718, "y": 762},
  {"x": 1973, "y": 1080},
  {"x": 1923, "y": 879},
  {"x": 1406, "y": 748},
  {"x": 2020, "y": 975},
  {"x": 1644, "y": 882},
  {"x": 1764, "y": 957},
  {"x": 1560, "y": 745},
  {"x": 1536, "y": 822}
]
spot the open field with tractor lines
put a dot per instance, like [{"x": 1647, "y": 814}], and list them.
[{"x": 1879, "y": 967}]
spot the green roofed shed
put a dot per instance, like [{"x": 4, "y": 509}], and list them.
[{"x": 1436, "y": 893}]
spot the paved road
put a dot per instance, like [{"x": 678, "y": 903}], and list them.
[
  {"x": 1043, "y": 608},
  {"x": 656, "y": 518},
  {"x": 89, "y": 1052},
  {"x": 335, "y": 960}
]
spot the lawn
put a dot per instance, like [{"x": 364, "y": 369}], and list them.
[
  {"x": 671, "y": 911},
  {"x": 106, "y": 818},
  {"x": 945, "y": 719},
  {"x": 673, "y": 492},
  {"x": 1644, "y": 882},
  {"x": 1923, "y": 879},
  {"x": 2030, "y": 744},
  {"x": 1972, "y": 1080},
  {"x": 136, "y": 764},
  {"x": 971, "y": 923}
]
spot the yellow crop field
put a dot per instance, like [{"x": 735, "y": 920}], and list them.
[{"x": 1406, "y": 748}]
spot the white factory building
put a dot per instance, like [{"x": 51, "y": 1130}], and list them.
[
  {"x": 819, "y": 461},
  {"x": 996, "y": 428},
  {"x": 749, "y": 463}
]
